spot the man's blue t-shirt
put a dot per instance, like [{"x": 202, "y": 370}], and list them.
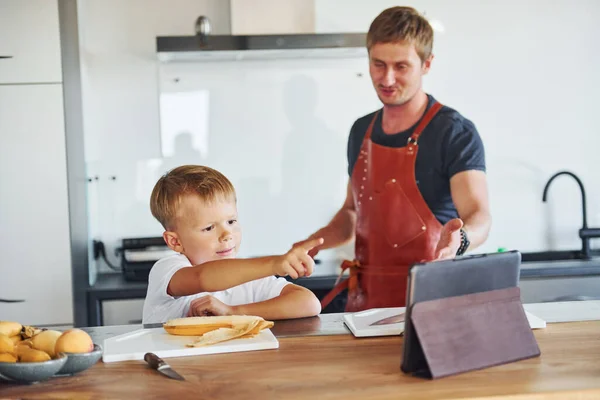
[{"x": 448, "y": 145}]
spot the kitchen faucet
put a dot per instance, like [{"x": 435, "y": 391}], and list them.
[{"x": 585, "y": 233}]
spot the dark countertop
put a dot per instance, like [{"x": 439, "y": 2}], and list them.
[
  {"x": 114, "y": 282},
  {"x": 563, "y": 268}
]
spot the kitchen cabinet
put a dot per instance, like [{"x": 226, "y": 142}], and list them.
[
  {"x": 34, "y": 220},
  {"x": 560, "y": 280},
  {"x": 29, "y": 35},
  {"x": 122, "y": 312},
  {"x": 567, "y": 288}
]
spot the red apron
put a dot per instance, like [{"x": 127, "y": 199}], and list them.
[{"x": 395, "y": 228}]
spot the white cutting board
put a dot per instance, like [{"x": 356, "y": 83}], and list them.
[
  {"x": 360, "y": 323},
  {"x": 133, "y": 345}
]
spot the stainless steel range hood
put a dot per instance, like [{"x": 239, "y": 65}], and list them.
[{"x": 255, "y": 47}]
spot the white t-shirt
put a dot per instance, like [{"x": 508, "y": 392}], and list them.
[{"x": 160, "y": 307}]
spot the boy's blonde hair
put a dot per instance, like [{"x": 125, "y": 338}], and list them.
[
  {"x": 402, "y": 24},
  {"x": 203, "y": 181}
]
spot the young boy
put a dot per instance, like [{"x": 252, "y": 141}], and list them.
[{"x": 197, "y": 207}]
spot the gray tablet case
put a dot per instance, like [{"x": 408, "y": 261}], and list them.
[
  {"x": 474, "y": 331},
  {"x": 448, "y": 278}
]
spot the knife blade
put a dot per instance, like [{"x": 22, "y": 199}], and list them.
[
  {"x": 161, "y": 366},
  {"x": 394, "y": 319}
]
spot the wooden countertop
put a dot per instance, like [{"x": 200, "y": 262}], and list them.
[{"x": 341, "y": 366}]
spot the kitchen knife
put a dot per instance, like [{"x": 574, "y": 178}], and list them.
[
  {"x": 158, "y": 364},
  {"x": 394, "y": 319}
]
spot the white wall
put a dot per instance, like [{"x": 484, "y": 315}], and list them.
[
  {"x": 525, "y": 73},
  {"x": 120, "y": 100},
  {"x": 283, "y": 16},
  {"x": 278, "y": 129}
]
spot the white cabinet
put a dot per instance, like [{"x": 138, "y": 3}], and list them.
[
  {"x": 560, "y": 288},
  {"x": 122, "y": 312},
  {"x": 35, "y": 259},
  {"x": 29, "y": 34}
]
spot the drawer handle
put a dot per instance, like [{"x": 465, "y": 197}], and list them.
[
  {"x": 11, "y": 301},
  {"x": 5, "y": 57}
]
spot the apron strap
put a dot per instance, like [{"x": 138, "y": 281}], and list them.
[
  {"x": 339, "y": 287},
  {"x": 425, "y": 121}
]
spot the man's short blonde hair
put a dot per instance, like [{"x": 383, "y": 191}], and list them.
[
  {"x": 402, "y": 24},
  {"x": 203, "y": 181}
]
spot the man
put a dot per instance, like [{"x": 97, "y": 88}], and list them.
[{"x": 417, "y": 188}]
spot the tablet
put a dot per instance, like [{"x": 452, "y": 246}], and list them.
[{"x": 455, "y": 277}]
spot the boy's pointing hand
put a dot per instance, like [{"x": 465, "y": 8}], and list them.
[{"x": 297, "y": 263}]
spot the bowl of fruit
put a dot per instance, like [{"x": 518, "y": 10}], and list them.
[{"x": 29, "y": 354}]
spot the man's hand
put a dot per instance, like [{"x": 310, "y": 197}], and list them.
[
  {"x": 297, "y": 262},
  {"x": 449, "y": 240},
  {"x": 208, "y": 305}
]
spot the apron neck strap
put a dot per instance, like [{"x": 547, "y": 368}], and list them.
[
  {"x": 424, "y": 122},
  {"x": 420, "y": 127}
]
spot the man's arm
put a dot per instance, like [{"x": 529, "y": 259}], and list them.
[
  {"x": 293, "y": 302},
  {"x": 341, "y": 229},
  {"x": 470, "y": 196}
]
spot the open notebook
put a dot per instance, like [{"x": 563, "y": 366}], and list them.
[{"x": 360, "y": 323}]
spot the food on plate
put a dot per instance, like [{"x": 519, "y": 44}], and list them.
[
  {"x": 6, "y": 345},
  {"x": 46, "y": 341},
  {"x": 22, "y": 347},
  {"x": 16, "y": 339},
  {"x": 33, "y": 355},
  {"x": 216, "y": 329},
  {"x": 7, "y": 357},
  {"x": 29, "y": 344},
  {"x": 30, "y": 331},
  {"x": 224, "y": 334},
  {"x": 195, "y": 326},
  {"x": 74, "y": 341},
  {"x": 10, "y": 328}
]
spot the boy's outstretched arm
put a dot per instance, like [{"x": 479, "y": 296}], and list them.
[
  {"x": 214, "y": 276},
  {"x": 293, "y": 302}
]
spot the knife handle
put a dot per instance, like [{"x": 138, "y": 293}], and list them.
[{"x": 153, "y": 360}]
